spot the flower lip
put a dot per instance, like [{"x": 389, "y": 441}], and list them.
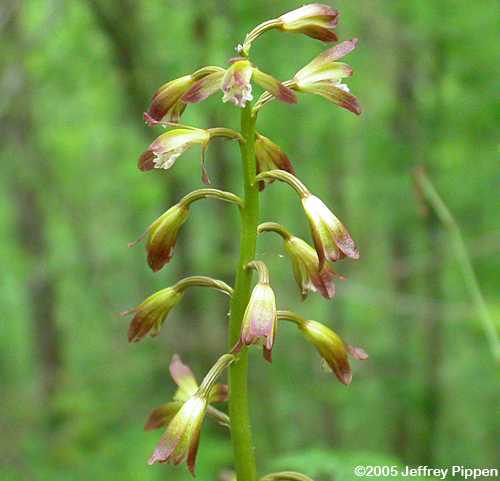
[
  {"x": 236, "y": 83},
  {"x": 170, "y": 145}
]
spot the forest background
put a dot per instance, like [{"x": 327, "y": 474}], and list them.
[{"x": 76, "y": 77}]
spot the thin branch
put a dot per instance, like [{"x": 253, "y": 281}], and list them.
[{"x": 429, "y": 193}]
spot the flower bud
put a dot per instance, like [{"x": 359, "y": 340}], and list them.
[
  {"x": 332, "y": 349},
  {"x": 166, "y": 104},
  {"x": 150, "y": 315},
  {"x": 323, "y": 76},
  {"x": 162, "y": 235},
  {"x": 165, "y": 150},
  {"x": 314, "y": 20},
  {"x": 269, "y": 157},
  {"x": 331, "y": 238},
  {"x": 286, "y": 476},
  {"x": 259, "y": 320},
  {"x": 227, "y": 475},
  {"x": 306, "y": 269}
]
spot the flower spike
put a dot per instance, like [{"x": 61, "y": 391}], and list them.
[
  {"x": 235, "y": 83},
  {"x": 150, "y": 315},
  {"x": 259, "y": 320},
  {"x": 331, "y": 239},
  {"x": 330, "y": 346},
  {"x": 182, "y": 437},
  {"x": 305, "y": 263}
]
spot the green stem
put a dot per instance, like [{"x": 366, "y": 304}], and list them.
[
  {"x": 241, "y": 433},
  {"x": 471, "y": 281}
]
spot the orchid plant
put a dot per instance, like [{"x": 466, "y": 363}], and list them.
[{"x": 254, "y": 315}]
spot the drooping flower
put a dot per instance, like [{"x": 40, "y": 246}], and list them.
[
  {"x": 307, "y": 271},
  {"x": 236, "y": 85},
  {"x": 165, "y": 150},
  {"x": 269, "y": 157},
  {"x": 305, "y": 263},
  {"x": 332, "y": 349},
  {"x": 182, "y": 437},
  {"x": 331, "y": 238},
  {"x": 314, "y": 20},
  {"x": 330, "y": 346},
  {"x": 259, "y": 323},
  {"x": 150, "y": 315},
  {"x": 162, "y": 235},
  {"x": 166, "y": 104},
  {"x": 323, "y": 76},
  {"x": 187, "y": 387}
]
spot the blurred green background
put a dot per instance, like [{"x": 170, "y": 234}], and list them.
[{"x": 76, "y": 77}]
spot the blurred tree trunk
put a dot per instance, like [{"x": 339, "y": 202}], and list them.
[
  {"x": 433, "y": 315},
  {"x": 433, "y": 343},
  {"x": 118, "y": 21},
  {"x": 405, "y": 134},
  {"x": 19, "y": 133}
]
